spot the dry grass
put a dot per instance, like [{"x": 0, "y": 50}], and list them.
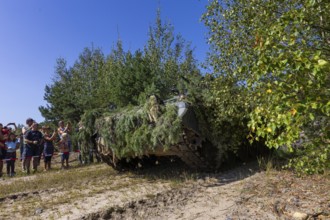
[
  {"x": 49, "y": 190},
  {"x": 55, "y": 179},
  {"x": 52, "y": 189}
]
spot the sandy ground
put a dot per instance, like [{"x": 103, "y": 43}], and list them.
[{"x": 241, "y": 193}]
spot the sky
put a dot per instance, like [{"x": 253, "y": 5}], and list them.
[{"x": 34, "y": 33}]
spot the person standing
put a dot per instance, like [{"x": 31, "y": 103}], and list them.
[
  {"x": 3, "y": 151},
  {"x": 64, "y": 149},
  {"x": 33, "y": 140},
  {"x": 48, "y": 150},
  {"x": 65, "y": 130},
  {"x": 25, "y": 129},
  {"x": 12, "y": 145}
]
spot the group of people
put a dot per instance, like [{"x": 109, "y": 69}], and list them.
[{"x": 34, "y": 144}]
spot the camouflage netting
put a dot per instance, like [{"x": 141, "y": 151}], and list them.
[
  {"x": 209, "y": 133},
  {"x": 86, "y": 132},
  {"x": 141, "y": 130},
  {"x": 133, "y": 131}
]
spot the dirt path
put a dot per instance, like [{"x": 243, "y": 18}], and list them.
[
  {"x": 206, "y": 198},
  {"x": 241, "y": 193},
  {"x": 209, "y": 197}
]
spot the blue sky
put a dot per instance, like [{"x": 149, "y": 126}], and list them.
[{"x": 34, "y": 33}]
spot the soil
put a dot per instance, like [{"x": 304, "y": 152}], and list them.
[{"x": 245, "y": 192}]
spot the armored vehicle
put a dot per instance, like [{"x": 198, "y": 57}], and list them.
[{"x": 130, "y": 136}]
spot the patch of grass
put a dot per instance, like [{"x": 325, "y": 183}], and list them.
[
  {"x": 79, "y": 184},
  {"x": 150, "y": 196},
  {"x": 57, "y": 187},
  {"x": 70, "y": 178},
  {"x": 29, "y": 206},
  {"x": 266, "y": 164}
]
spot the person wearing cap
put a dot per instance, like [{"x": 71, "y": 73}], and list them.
[
  {"x": 25, "y": 129},
  {"x": 33, "y": 140}
]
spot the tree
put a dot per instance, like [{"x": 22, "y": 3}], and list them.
[
  {"x": 122, "y": 78},
  {"x": 59, "y": 96},
  {"x": 170, "y": 59},
  {"x": 128, "y": 76},
  {"x": 275, "y": 54},
  {"x": 87, "y": 79},
  {"x": 161, "y": 67},
  {"x": 76, "y": 89}
]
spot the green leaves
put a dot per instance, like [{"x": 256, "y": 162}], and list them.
[
  {"x": 275, "y": 54},
  {"x": 322, "y": 62},
  {"x": 129, "y": 132},
  {"x": 122, "y": 78}
]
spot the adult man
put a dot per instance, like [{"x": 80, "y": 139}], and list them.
[
  {"x": 25, "y": 129},
  {"x": 33, "y": 140}
]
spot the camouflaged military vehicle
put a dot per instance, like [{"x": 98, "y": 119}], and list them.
[{"x": 130, "y": 136}]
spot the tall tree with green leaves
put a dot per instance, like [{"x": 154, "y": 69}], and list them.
[
  {"x": 59, "y": 96},
  {"x": 170, "y": 59},
  {"x": 121, "y": 78},
  {"x": 76, "y": 89},
  {"x": 128, "y": 75},
  {"x": 87, "y": 78},
  {"x": 271, "y": 62},
  {"x": 165, "y": 63}
]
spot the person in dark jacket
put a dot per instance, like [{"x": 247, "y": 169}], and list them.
[
  {"x": 33, "y": 140},
  {"x": 48, "y": 150}
]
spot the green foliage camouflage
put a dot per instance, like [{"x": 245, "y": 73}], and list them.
[
  {"x": 86, "y": 131},
  {"x": 130, "y": 133},
  {"x": 137, "y": 131}
]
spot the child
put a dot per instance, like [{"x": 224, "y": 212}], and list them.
[
  {"x": 64, "y": 149},
  {"x": 48, "y": 150},
  {"x": 12, "y": 145},
  {"x": 67, "y": 130}
]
